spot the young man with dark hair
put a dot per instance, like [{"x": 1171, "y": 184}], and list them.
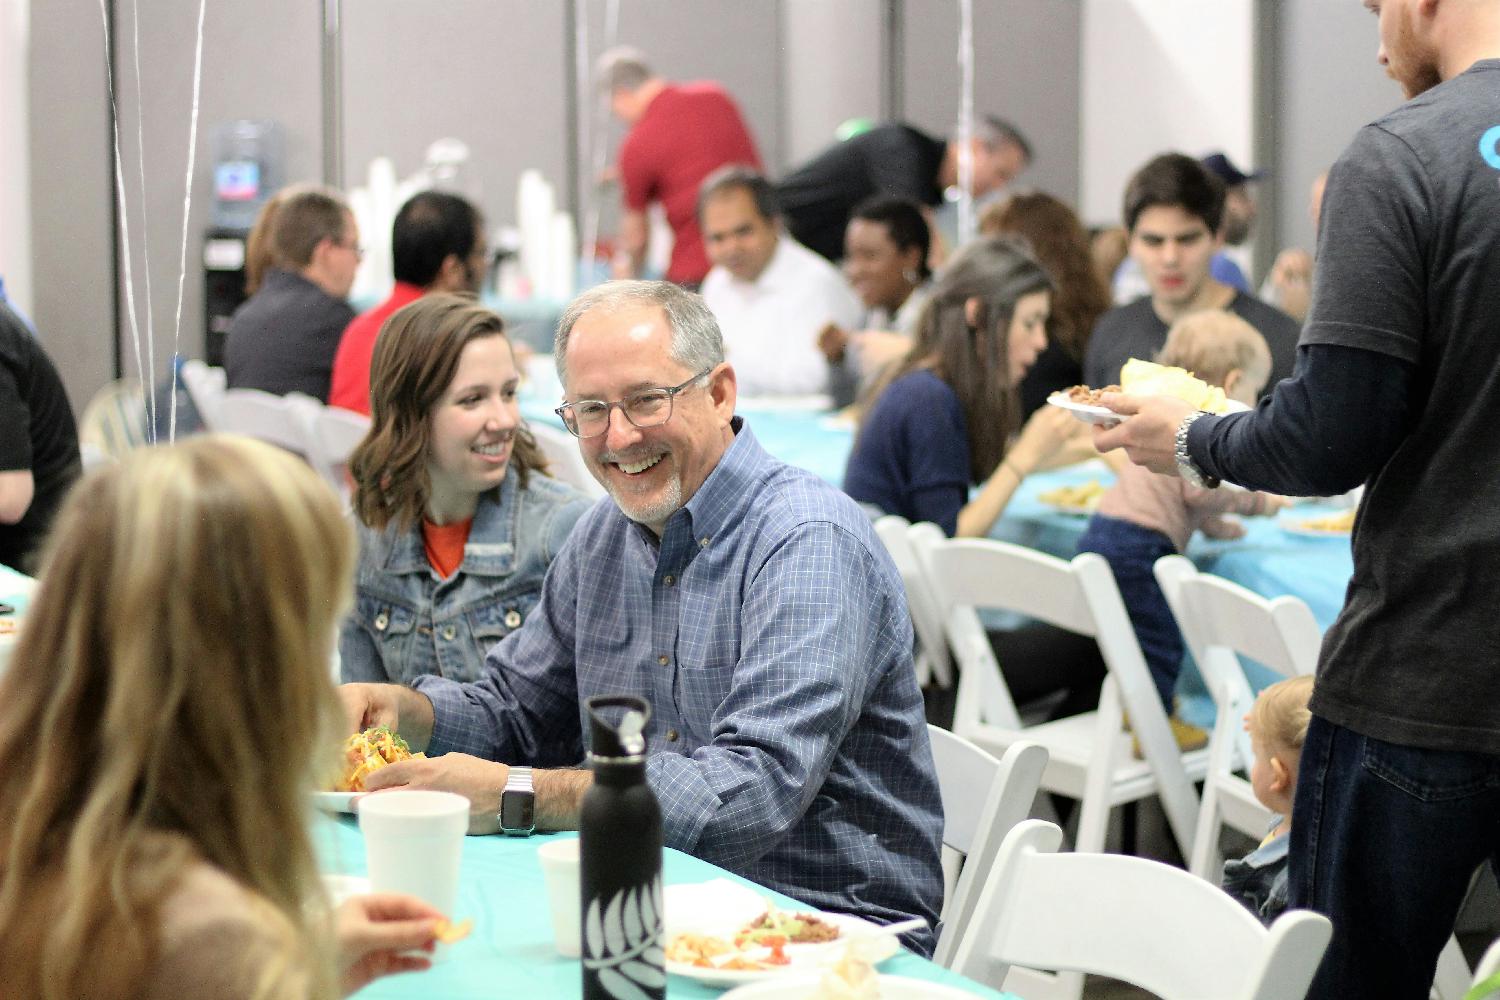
[
  {"x": 437, "y": 245},
  {"x": 1173, "y": 210},
  {"x": 283, "y": 338},
  {"x": 892, "y": 159}
]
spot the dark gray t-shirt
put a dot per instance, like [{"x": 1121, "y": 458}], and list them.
[
  {"x": 1409, "y": 266},
  {"x": 1135, "y": 331}
]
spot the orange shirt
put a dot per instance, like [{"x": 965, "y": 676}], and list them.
[{"x": 445, "y": 545}]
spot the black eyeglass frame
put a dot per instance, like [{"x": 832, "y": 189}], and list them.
[{"x": 569, "y": 416}]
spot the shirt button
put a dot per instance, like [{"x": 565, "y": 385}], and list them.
[
  {"x": 703, "y": 542},
  {"x": 382, "y": 620},
  {"x": 663, "y": 660},
  {"x": 449, "y": 633},
  {"x": 512, "y": 618},
  {"x": 669, "y": 580},
  {"x": 671, "y": 736}
]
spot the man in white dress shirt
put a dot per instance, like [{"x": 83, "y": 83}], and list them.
[{"x": 770, "y": 294}]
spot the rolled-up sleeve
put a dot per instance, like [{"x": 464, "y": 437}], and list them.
[{"x": 811, "y": 632}]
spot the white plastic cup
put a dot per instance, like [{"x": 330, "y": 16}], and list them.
[
  {"x": 413, "y": 842},
  {"x": 560, "y": 867}
]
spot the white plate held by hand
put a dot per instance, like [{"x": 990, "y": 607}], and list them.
[
  {"x": 338, "y": 802},
  {"x": 1087, "y": 412}
]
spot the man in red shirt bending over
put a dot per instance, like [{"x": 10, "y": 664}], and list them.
[
  {"x": 437, "y": 245},
  {"x": 679, "y": 134}
]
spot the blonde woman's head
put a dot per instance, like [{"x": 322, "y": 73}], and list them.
[{"x": 172, "y": 681}]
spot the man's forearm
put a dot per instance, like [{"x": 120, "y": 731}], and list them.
[{"x": 559, "y": 794}]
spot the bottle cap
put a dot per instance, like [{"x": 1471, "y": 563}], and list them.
[{"x": 617, "y": 724}]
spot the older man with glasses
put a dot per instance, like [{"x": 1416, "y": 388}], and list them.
[{"x": 750, "y": 602}]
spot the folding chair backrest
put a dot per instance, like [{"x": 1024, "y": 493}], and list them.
[
  {"x": 983, "y": 798},
  {"x": 205, "y": 386},
  {"x": 564, "y": 462},
  {"x": 336, "y": 432},
  {"x": 266, "y": 416},
  {"x": 932, "y": 646},
  {"x": 1146, "y": 923}
]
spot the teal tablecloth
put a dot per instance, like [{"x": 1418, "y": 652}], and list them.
[
  {"x": 15, "y": 588},
  {"x": 510, "y": 953}
]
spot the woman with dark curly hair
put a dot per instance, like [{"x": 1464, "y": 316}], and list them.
[
  {"x": 457, "y": 520},
  {"x": 1060, "y": 242}
]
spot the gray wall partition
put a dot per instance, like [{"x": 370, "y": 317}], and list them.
[
  {"x": 1327, "y": 85},
  {"x": 1026, "y": 69}
]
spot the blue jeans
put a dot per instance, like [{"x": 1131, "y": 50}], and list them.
[
  {"x": 1131, "y": 552},
  {"x": 1384, "y": 841}
]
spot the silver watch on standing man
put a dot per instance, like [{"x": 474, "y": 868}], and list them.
[{"x": 1185, "y": 467}]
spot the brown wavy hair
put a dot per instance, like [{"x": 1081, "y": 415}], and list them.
[
  {"x": 416, "y": 357},
  {"x": 168, "y": 705},
  {"x": 975, "y": 360},
  {"x": 1060, "y": 242}
]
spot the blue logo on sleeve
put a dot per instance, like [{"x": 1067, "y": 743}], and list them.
[{"x": 1489, "y": 146}]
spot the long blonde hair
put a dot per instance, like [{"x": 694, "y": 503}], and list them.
[{"x": 168, "y": 704}]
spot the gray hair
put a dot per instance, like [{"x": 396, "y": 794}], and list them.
[
  {"x": 696, "y": 341},
  {"x": 995, "y": 132},
  {"x": 622, "y": 68}
]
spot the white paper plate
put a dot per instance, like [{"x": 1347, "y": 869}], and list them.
[
  {"x": 1086, "y": 412},
  {"x": 806, "y": 987},
  {"x": 721, "y": 907},
  {"x": 337, "y": 802}
]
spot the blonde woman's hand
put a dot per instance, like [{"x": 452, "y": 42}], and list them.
[{"x": 377, "y": 934}]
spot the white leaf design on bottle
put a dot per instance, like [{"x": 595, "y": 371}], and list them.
[{"x": 623, "y": 942}]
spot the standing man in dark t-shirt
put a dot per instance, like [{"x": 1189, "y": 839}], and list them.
[
  {"x": 679, "y": 134},
  {"x": 818, "y": 197},
  {"x": 1173, "y": 210},
  {"x": 1397, "y": 386},
  {"x": 38, "y": 443}
]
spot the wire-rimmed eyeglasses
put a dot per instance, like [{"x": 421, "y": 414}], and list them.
[{"x": 586, "y": 418}]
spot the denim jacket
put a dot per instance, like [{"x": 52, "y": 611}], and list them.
[
  {"x": 1259, "y": 879},
  {"x": 408, "y": 622}
]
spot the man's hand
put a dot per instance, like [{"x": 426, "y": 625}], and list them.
[
  {"x": 1149, "y": 437},
  {"x": 377, "y": 934},
  {"x": 399, "y": 709},
  {"x": 479, "y": 781},
  {"x": 832, "y": 341}
]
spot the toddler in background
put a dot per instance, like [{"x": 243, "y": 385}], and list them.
[
  {"x": 1145, "y": 516},
  {"x": 1277, "y": 724}
]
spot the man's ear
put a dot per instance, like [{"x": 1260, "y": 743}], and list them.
[
  {"x": 451, "y": 275},
  {"x": 971, "y": 312}
]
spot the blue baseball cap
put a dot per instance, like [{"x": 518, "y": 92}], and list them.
[{"x": 1226, "y": 171}]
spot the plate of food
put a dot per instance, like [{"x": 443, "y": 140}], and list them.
[
  {"x": 1145, "y": 378},
  {"x": 723, "y": 934},
  {"x": 364, "y": 752},
  {"x": 880, "y": 987},
  {"x": 1338, "y": 525},
  {"x": 1077, "y": 498}
]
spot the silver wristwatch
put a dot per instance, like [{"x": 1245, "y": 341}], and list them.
[
  {"x": 518, "y": 804},
  {"x": 1185, "y": 467}
]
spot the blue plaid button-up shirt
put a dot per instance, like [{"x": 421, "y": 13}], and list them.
[{"x": 769, "y": 631}]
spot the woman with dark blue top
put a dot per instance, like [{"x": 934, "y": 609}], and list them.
[
  {"x": 943, "y": 421},
  {"x": 457, "y": 521}
]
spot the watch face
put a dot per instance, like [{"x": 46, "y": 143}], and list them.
[{"x": 517, "y": 812}]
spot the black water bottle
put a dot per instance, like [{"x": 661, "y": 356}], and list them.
[{"x": 619, "y": 830}]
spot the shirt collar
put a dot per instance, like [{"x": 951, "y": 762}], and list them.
[
  {"x": 490, "y": 550},
  {"x": 716, "y": 507}
]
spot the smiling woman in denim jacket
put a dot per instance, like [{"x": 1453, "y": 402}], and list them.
[{"x": 457, "y": 520}]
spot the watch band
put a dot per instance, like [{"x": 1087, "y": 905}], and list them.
[
  {"x": 1185, "y": 465},
  {"x": 518, "y": 804}
]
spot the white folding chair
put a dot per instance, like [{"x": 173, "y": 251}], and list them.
[
  {"x": 205, "y": 386},
  {"x": 982, "y": 799},
  {"x": 284, "y": 421},
  {"x": 336, "y": 433},
  {"x": 1089, "y": 755},
  {"x": 563, "y": 459},
  {"x": 932, "y": 660},
  {"x": 1220, "y": 622},
  {"x": 1149, "y": 924},
  {"x": 1489, "y": 966}
]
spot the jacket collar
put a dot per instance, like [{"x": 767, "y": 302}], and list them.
[{"x": 490, "y": 550}]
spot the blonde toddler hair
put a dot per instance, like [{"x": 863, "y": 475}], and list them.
[
  {"x": 1213, "y": 343},
  {"x": 1280, "y": 715}
]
